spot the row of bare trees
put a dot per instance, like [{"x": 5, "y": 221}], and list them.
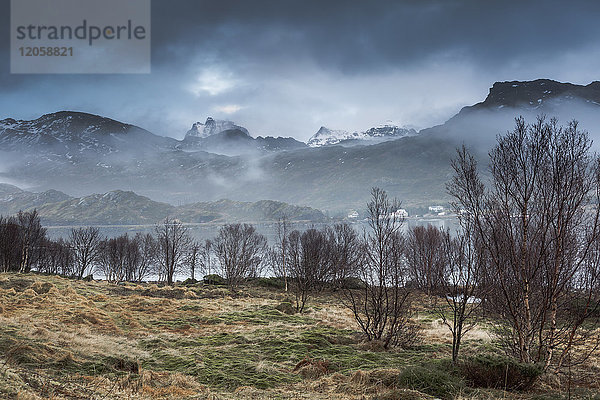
[
  {"x": 128, "y": 259},
  {"x": 238, "y": 252},
  {"x": 85, "y": 251},
  {"x": 314, "y": 259},
  {"x": 24, "y": 245},
  {"x": 378, "y": 264},
  {"x": 163, "y": 255}
]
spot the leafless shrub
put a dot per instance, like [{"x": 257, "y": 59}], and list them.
[
  {"x": 31, "y": 236},
  {"x": 308, "y": 263},
  {"x": 85, "y": 248},
  {"x": 425, "y": 257},
  {"x": 173, "y": 240},
  {"x": 239, "y": 249},
  {"x": 345, "y": 253},
  {"x": 10, "y": 234}
]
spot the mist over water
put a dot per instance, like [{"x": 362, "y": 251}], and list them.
[{"x": 201, "y": 232}]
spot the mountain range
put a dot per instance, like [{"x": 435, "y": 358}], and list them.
[
  {"x": 127, "y": 208},
  {"x": 81, "y": 154}
]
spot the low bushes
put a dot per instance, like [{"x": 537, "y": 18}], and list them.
[
  {"x": 272, "y": 283},
  {"x": 443, "y": 380},
  {"x": 431, "y": 379},
  {"x": 312, "y": 369},
  {"x": 499, "y": 372},
  {"x": 189, "y": 282},
  {"x": 286, "y": 307},
  {"x": 214, "y": 279},
  {"x": 353, "y": 283}
]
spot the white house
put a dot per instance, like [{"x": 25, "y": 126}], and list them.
[
  {"x": 436, "y": 209},
  {"x": 400, "y": 213},
  {"x": 353, "y": 214}
]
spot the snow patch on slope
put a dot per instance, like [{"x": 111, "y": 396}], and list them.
[{"x": 326, "y": 136}]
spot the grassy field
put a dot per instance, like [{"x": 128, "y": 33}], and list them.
[{"x": 67, "y": 339}]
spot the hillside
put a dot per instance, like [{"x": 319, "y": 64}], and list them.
[
  {"x": 13, "y": 199},
  {"x": 72, "y": 133},
  {"x": 238, "y": 211},
  {"x": 119, "y": 207}
]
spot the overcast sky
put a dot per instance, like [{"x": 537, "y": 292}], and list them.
[{"x": 287, "y": 67}]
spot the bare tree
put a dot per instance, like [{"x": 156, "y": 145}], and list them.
[
  {"x": 85, "y": 247},
  {"x": 173, "y": 241},
  {"x": 206, "y": 257},
  {"x": 538, "y": 222},
  {"x": 381, "y": 308},
  {"x": 112, "y": 258},
  {"x": 309, "y": 263},
  {"x": 133, "y": 259},
  {"x": 55, "y": 258},
  {"x": 193, "y": 258},
  {"x": 279, "y": 255},
  {"x": 10, "y": 238},
  {"x": 122, "y": 258},
  {"x": 345, "y": 253},
  {"x": 461, "y": 282},
  {"x": 64, "y": 257},
  {"x": 425, "y": 257},
  {"x": 46, "y": 262},
  {"x": 31, "y": 236},
  {"x": 295, "y": 264},
  {"x": 239, "y": 249},
  {"x": 148, "y": 249}
]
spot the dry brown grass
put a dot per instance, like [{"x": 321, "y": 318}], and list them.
[
  {"x": 101, "y": 341},
  {"x": 437, "y": 332}
]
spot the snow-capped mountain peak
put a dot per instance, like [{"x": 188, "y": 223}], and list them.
[
  {"x": 326, "y": 136},
  {"x": 213, "y": 126}
]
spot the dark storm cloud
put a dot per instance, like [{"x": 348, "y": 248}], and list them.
[
  {"x": 287, "y": 67},
  {"x": 355, "y": 36}
]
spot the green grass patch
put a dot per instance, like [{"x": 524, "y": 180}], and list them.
[
  {"x": 190, "y": 307},
  {"x": 266, "y": 357},
  {"x": 263, "y": 315},
  {"x": 435, "y": 379}
]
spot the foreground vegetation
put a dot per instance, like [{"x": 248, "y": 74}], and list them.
[{"x": 64, "y": 338}]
